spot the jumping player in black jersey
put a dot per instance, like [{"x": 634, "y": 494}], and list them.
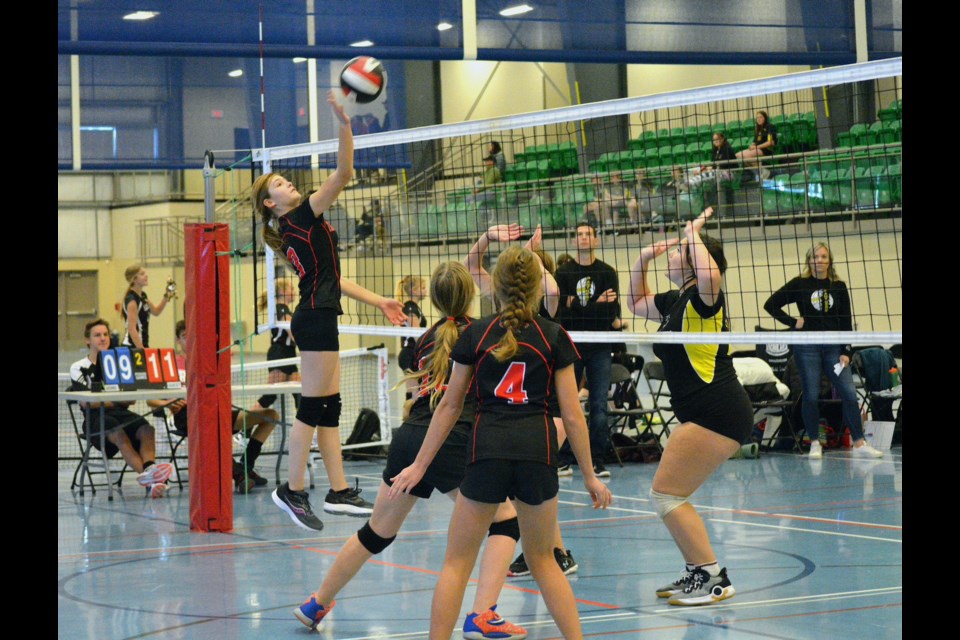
[
  {"x": 513, "y": 358},
  {"x": 297, "y": 232},
  {"x": 452, "y": 292},
  {"x": 136, "y": 309},
  {"x": 548, "y": 310},
  {"x": 282, "y": 344},
  {"x": 708, "y": 399}
]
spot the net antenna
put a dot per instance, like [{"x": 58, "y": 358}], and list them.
[{"x": 831, "y": 179}]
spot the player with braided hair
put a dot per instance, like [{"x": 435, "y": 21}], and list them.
[
  {"x": 452, "y": 292},
  {"x": 295, "y": 229},
  {"x": 512, "y": 358}
]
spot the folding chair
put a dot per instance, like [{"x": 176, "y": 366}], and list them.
[
  {"x": 628, "y": 412},
  {"x": 872, "y": 365},
  {"x": 660, "y": 393},
  {"x": 165, "y": 423},
  {"x": 90, "y": 462}
]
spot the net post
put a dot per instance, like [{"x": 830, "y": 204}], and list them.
[{"x": 208, "y": 371}]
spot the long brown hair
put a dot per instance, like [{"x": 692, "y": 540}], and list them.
[
  {"x": 130, "y": 274},
  {"x": 259, "y": 192},
  {"x": 451, "y": 291},
  {"x": 516, "y": 283},
  {"x": 811, "y": 252},
  {"x": 406, "y": 285}
]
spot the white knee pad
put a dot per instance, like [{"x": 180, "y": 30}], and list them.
[{"x": 665, "y": 503}]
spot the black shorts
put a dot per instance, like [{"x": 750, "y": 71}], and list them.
[
  {"x": 315, "y": 329},
  {"x": 445, "y": 472},
  {"x": 492, "y": 481},
  {"x": 180, "y": 421},
  {"x": 282, "y": 352},
  {"x": 112, "y": 420},
  {"x": 725, "y": 410}
]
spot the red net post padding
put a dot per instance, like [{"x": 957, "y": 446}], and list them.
[{"x": 207, "y": 311}]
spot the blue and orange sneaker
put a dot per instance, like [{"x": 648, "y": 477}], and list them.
[
  {"x": 311, "y": 612},
  {"x": 481, "y": 626}
]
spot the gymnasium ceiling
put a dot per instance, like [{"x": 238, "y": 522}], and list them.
[{"x": 611, "y": 31}]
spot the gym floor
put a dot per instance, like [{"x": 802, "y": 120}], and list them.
[{"x": 814, "y": 549}]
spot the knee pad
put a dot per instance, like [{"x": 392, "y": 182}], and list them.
[
  {"x": 371, "y": 541},
  {"x": 321, "y": 411},
  {"x": 665, "y": 503},
  {"x": 331, "y": 415},
  {"x": 509, "y": 528},
  {"x": 266, "y": 401}
]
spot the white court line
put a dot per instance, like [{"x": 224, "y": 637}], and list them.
[{"x": 825, "y": 533}]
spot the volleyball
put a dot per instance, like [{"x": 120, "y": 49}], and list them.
[{"x": 362, "y": 79}]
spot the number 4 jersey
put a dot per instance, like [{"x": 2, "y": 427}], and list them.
[{"x": 513, "y": 421}]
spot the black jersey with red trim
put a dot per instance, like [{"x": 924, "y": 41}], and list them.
[
  {"x": 143, "y": 317},
  {"x": 310, "y": 243},
  {"x": 281, "y": 340},
  {"x": 690, "y": 368},
  {"x": 513, "y": 420},
  {"x": 420, "y": 412}
]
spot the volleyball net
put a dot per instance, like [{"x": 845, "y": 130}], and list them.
[{"x": 637, "y": 169}]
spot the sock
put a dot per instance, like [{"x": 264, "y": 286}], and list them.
[
  {"x": 253, "y": 452},
  {"x": 147, "y": 464},
  {"x": 711, "y": 568}
]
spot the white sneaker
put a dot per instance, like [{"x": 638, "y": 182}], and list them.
[
  {"x": 564, "y": 470},
  {"x": 816, "y": 451},
  {"x": 866, "y": 451}
]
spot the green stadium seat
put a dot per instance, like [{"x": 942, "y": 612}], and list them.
[
  {"x": 799, "y": 188},
  {"x": 679, "y": 152},
  {"x": 651, "y": 158},
  {"x": 891, "y": 131}
]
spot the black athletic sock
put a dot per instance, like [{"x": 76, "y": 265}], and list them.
[
  {"x": 147, "y": 464},
  {"x": 253, "y": 452}
]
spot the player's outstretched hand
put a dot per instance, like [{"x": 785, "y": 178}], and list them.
[
  {"x": 337, "y": 108},
  {"x": 393, "y": 310},
  {"x": 599, "y": 493},
  {"x": 536, "y": 240},
  {"x": 504, "y": 232}
]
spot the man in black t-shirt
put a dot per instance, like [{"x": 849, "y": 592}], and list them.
[{"x": 590, "y": 301}]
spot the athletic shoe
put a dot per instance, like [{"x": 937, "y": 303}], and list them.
[
  {"x": 348, "y": 502},
  {"x": 158, "y": 490},
  {"x": 676, "y": 586},
  {"x": 564, "y": 470},
  {"x": 258, "y": 479},
  {"x": 155, "y": 474},
  {"x": 311, "y": 613},
  {"x": 518, "y": 568},
  {"x": 489, "y": 624},
  {"x": 297, "y": 506},
  {"x": 243, "y": 481},
  {"x": 866, "y": 451},
  {"x": 600, "y": 471},
  {"x": 702, "y": 588},
  {"x": 816, "y": 451},
  {"x": 565, "y": 559}
]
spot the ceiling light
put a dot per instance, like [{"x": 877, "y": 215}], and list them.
[
  {"x": 443, "y": 26},
  {"x": 141, "y": 15},
  {"x": 516, "y": 10},
  {"x": 236, "y": 73},
  {"x": 362, "y": 43},
  {"x": 299, "y": 60}
]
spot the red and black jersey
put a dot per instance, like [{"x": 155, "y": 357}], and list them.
[
  {"x": 420, "y": 412},
  {"x": 310, "y": 243},
  {"x": 513, "y": 420}
]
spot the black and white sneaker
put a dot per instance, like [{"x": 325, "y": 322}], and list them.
[
  {"x": 347, "y": 501},
  {"x": 702, "y": 588},
  {"x": 675, "y": 587},
  {"x": 600, "y": 471},
  {"x": 297, "y": 506},
  {"x": 565, "y": 559},
  {"x": 518, "y": 568}
]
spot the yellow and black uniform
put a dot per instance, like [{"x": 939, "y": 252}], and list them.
[
  {"x": 766, "y": 133},
  {"x": 310, "y": 244},
  {"x": 446, "y": 471},
  {"x": 513, "y": 448},
  {"x": 703, "y": 384}
]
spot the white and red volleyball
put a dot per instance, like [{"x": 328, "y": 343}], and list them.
[{"x": 363, "y": 79}]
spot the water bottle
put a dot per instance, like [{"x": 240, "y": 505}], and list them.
[{"x": 894, "y": 377}]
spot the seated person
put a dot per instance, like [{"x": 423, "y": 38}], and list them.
[
  {"x": 125, "y": 431},
  {"x": 615, "y": 202},
  {"x": 643, "y": 190},
  {"x": 364, "y": 226},
  {"x": 491, "y": 176},
  {"x": 257, "y": 426}
]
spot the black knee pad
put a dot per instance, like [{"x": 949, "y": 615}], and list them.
[
  {"x": 266, "y": 401},
  {"x": 509, "y": 528},
  {"x": 331, "y": 415},
  {"x": 311, "y": 409},
  {"x": 371, "y": 541}
]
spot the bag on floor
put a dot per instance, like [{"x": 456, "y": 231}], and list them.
[{"x": 365, "y": 429}]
